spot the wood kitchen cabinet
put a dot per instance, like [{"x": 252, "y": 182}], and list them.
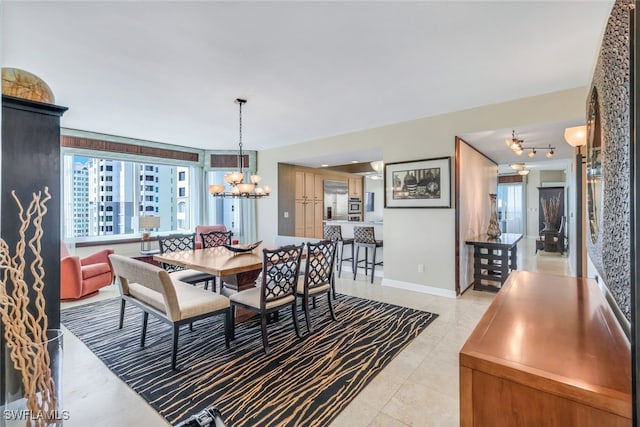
[
  {"x": 301, "y": 208},
  {"x": 355, "y": 188},
  {"x": 309, "y": 202}
]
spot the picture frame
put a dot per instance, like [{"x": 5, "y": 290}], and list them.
[{"x": 422, "y": 183}]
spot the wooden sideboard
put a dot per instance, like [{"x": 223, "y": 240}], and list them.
[{"x": 548, "y": 351}]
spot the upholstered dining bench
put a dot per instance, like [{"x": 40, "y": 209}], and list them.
[{"x": 177, "y": 303}]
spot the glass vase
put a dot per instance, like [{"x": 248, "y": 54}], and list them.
[
  {"x": 493, "y": 231},
  {"x": 40, "y": 403}
]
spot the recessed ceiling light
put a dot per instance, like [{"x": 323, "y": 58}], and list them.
[
  {"x": 324, "y": 166},
  {"x": 354, "y": 161}
]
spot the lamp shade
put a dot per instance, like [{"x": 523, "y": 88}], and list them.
[
  {"x": 576, "y": 136},
  {"x": 147, "y": 222},
  {"x": 377, "y": 166}
]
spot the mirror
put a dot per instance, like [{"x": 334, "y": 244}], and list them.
[{"x": 594, "y": 164}]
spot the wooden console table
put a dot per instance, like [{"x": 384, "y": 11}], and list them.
[
  {"x": 547, "y": 352},
  {"x": 493, "y": 259}
]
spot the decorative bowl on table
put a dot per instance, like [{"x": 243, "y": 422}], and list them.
[{"x": 243, "y": 248}]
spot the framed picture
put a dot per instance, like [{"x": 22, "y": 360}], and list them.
[{"x": 418, "y": 184}]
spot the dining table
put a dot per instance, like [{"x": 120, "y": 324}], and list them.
[{"x": 237, "y": 270}]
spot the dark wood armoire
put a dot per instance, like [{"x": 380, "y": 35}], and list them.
[{"x": 31, "y": 161}]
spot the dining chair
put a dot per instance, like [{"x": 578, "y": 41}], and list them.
[
  {"x": 364, "y": 236},
  {"x": 280, "y": 268},
  {"x": 318, "y": 276},
  {"x": 178, "y": 243},
  {"x": 334, "y": 232},
  {"x": 215, "y": 238}
]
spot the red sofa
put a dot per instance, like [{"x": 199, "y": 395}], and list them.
[{"x": 81, "y": 277}]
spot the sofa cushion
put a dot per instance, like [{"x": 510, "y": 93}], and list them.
[
  {"x": 312, "y": 291},
  {"x": 194, "y": 301},
  {"x": 251, "y": 298},
  {"x": 190, "y": 276},
  {"x": 97, "y": 269},
  {"x": 147, "y": 296}
]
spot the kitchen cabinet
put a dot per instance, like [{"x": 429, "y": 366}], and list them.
[
  {"x": 355, "y": 187},
  {"x": 301, "y": 208},
  {"x": 308, "y": 204}
]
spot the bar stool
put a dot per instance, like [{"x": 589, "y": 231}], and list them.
[
  {"x": 365, "y": 237},
  {"x": 334, "y": 233}
]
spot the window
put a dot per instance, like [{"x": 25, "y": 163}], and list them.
[
  {"x": 181, "y": 176},
  {"x": 222, "y": 210},
  {"x": 98, "y": 209}
]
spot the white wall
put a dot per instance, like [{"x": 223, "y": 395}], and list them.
[
  {"x": 533, "y": 182},
  {"x": 418, "y": 236},
  {"x": 478, "y": 179}
]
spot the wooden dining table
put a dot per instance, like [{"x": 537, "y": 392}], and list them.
[{"x": 238, "y": 271}]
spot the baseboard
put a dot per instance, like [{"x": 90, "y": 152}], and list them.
[{"x": 424, "y": 289}]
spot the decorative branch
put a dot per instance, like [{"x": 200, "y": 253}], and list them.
[
  {"x": 550, "y": 209},
  {"x": 25, "y": 333}
]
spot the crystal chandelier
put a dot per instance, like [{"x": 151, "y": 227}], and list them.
[{"x": 237, "y": 186}]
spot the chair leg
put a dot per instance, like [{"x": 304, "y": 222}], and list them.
[
  {"x": 366, "y": 261},
  {"x": 333, "y": 314},
  {"x": 122, "y": 304},
  {"x": 307, "y": 316},
  {"x": 294, "y": 317},
  {"x": 354, "y": 261},
  {"x": 265, "y": 339},
  {"x": 373, "y": 264},
  {"x": 174, "y": 350},
  {"x": 333, "y": 285},
  {"x": 206, "y": 285},
  {"x": 191, "y": 326},
  {"x": 340, "y": 260},
  {"x": 214, "y": 284},
  {"x": 145, "y": 319},
  {"x": 232, "y": 326},
  {"x": 227, "y": 327}
]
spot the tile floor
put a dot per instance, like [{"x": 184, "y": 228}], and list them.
[{"x": 418, "y": 388}]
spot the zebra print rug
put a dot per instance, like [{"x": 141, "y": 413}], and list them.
[{"x": 303, "y": 382}]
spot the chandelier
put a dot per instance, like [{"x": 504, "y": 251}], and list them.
[
  {"x": 235, "y": 180},
  {"x": 521, "y": 168},
  {"x": 516, "y": 145}
]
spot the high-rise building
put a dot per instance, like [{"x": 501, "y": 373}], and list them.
[{"x": 80, "y": 199}]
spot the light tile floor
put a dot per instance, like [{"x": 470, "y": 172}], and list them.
[{"x": 418, "y": 388}]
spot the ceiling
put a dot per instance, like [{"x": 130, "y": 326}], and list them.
[{"x": 170, "y": 71}]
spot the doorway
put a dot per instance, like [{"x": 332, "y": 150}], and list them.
[{"x": 511, "y": 207}]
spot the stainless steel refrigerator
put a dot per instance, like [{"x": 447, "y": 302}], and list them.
[{"x": 336, "y": 200}]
